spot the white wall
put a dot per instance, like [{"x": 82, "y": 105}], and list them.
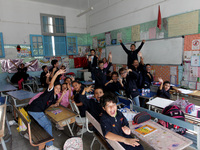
[
  {"x": 114, "y": 14},
  {"x": 18, "y": 19}
]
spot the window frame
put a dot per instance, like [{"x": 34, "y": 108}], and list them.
[
  {"x": 2, "y": 46},
  {"x": 31, "y": 44},
  {"x": 54, "y": 25}
]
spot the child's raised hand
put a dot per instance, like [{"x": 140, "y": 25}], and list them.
[
  {"x": 120, "y": 41},
  {"x": 140, "y": 54},
  {"x": 126, "y": 130},
  {"x": 69, "y": 87},
  {"x": 72, "y": 78},
  {"x": 61, "y": 71},
  {"x": 129, "y": 70},
  {"x": 160, "y": 79},
  {"x": 48, "y": 74},
  {"x": 64, "y": 91},
  {"x": 143, "y": 41},
  {"x": 89, "y": 88},
  {"x": 111, "y": 81},
  {"x": 120, "y": 79},
  {"x": 110, "y": 55}
]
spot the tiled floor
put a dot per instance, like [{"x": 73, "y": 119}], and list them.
[{"x": 18, "y": 142}]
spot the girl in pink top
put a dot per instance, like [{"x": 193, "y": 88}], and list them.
[
  {"x": 65, "y": 95},
  {"x": 105, "y": 62}
]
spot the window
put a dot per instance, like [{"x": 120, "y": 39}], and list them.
[
  {"x": 72, "y": 45},
  {"x": 37, "y": 45},
  {"x": 2, "y": 54},
  {"x": 52, "y": 25}
]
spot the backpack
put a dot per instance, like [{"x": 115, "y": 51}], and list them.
[{"x": 175, "y": 112}]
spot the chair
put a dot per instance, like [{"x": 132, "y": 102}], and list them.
[
  {"x": 74, "y": 143},
  {"x": 9, "y": 81},
  {"x": 80, "y": 121},
  {"x": 95, "y": 123},
  {"x": 36, "y": 86}
]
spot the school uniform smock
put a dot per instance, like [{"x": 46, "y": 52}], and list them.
[
  {"x": 100, "y": 75},
  {"x": 43, "y": 101},
  {"x": 132, "y": 55},
  {"x": 113, "y": 87},
  {"x": 164, "y": 94},
  {"x": 114, "y": 125},
  {"x": 147, "y": 79},
  {"x": 43, "y": 79},
  {"x": 58, "y": 77},
  {"x": 78, "y": 99},
  {"x": 130, "y": 85},
  {"x": 93, "y": 106},
  {"x": 140, "y": 70},
  {"x": 21, "y": 73}
]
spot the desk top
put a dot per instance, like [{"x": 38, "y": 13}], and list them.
[
  {"x": 160, "y": 102},
  {"x": 21, "y": 94},
  {"x": 148, "y": 95},
  {"x": 162, "y": 138},
  {"x": 7, "y": 87},
  {"x": 65, "y": 114},
  {"x": 2, "y": 119}
]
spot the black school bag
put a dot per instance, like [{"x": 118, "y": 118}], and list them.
[{"x": 175, "y": 112}]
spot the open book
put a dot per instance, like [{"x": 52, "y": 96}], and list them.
[{"x": 145, "y": 130}]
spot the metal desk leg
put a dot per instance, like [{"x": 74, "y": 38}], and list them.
[
  {"x": 197, "y": 129},
  {"x": 70, "y": 128},
  {"x": 3, "y": 144},
  {"x": 9, "y": 130}
]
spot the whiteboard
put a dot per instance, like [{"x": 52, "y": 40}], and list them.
[{"x": 164, "y": 51}]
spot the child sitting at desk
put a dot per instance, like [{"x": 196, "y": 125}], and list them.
[
  {"x": 43, "y": 77},
  {"x": 163, "y": 90},
  {"x": 21, "y": 74},
  {"x": 115, "y": 126},
  {"x": 129, "y": 78},
  {"x": 115, "y": 84},
  {"x": 100, "y": 73},
  {"x": 65, "y": 95},
  {"x": 76, "y": 98},
  {"x": 47, "y": 99},
  {"x": 147, "y": 77},
  {"x": 93, "y": 104}
]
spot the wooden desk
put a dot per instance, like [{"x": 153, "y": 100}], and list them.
[
  {"x": 2, "y": 124},
  {"x": 162, "y": 138},
  {"x": 65, "y": 117}
]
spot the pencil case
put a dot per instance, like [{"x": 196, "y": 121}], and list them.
[
  {"x": 141, "y": 117},
  {"x": 190, "y": 108}
]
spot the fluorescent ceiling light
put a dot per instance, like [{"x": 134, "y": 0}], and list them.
[{"x": 89, "y": 9}]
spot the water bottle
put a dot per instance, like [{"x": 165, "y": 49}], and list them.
[
  {"x": 142, "y": 91},
  {"x": 183, "y": 104}
]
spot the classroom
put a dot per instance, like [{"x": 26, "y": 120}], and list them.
[{"x": 85, "y": 65}]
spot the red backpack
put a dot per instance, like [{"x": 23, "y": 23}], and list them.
[{"x": 175, "y": 112}]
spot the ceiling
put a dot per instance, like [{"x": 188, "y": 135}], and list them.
[{"x": 76, "y": 4}]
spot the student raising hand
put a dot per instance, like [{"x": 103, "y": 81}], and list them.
[
  {"x": 160, "y": 79},
  {"x": 140, "y": 54},
  {"x": 120, "y": 41},
  {"x": 126, "y": 130},
  {"x": 143, "y": 41}
]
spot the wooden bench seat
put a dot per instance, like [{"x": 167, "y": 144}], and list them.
[{"x": 37, "y": 135}]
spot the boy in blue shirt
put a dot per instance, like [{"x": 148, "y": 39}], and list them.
[{"x": 114, "y": 125}]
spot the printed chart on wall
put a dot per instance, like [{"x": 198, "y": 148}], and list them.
[{"x": 191, "y": 73}]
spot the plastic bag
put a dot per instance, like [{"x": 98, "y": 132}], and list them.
[{"x": 22, "y": 126}]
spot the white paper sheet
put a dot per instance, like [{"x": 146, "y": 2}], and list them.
[
  {"x": 187, "y": 55},
  {"x": 195, "y": 61},
  {"x": 184, "y": 91}
]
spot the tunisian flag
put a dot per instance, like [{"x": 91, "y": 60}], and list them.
[{"x": 159, "y": 22}]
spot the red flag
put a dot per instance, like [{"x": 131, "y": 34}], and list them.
[{"x": 159, "y": 22}]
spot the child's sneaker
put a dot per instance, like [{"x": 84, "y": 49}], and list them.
[{"x": 51, "y": 148}]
